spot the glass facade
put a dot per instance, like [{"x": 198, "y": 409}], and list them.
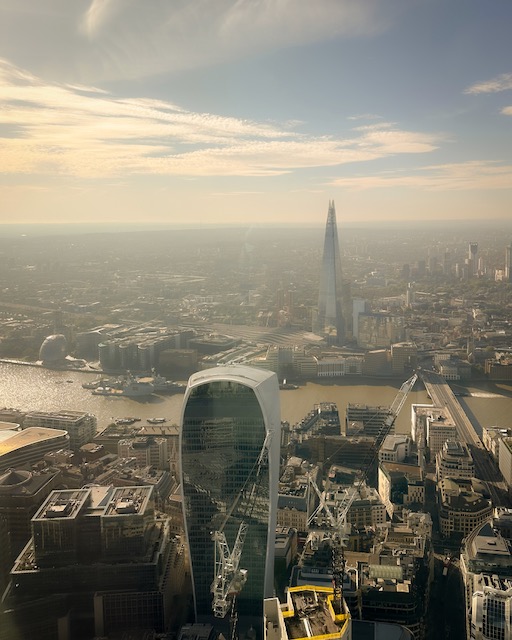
[
  {"x": 330, "y": 317},
  {"x": 226, "y": 481}
]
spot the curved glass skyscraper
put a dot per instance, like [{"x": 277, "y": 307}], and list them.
[
  {"x": 330, "y": 317},
  {"x": 230, "y": 440}
]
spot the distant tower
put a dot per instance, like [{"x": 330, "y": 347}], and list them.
[
  {"x": 508, "y": 263},
  {"x": 230, "y": 469},
  {"x": 472, "y": 261},
  {"x": 330, "y": 318}
]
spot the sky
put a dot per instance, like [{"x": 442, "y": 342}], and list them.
[{"x": 255, "y": 111}]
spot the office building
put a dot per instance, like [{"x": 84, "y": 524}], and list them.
[
  {"x": 21, "y": 494},
  {"x": 454, "y": 461},
  {"x": 296, "y": 501},
  {"x": 367, "y": 508},
  {"x": 472, "y": 261},
  {"x": 508, "y": 263},
  {"x": 491, "y": 609},
  {"x": 461, "y": 509},
  {"x": 395, "y": 579},
  {"x": 486, "y": 570},
  {"x": 80, "y": 426},
  {"x": 404, "y": 358},
  {"x": 395, "y": 448},
  {"x": 21, "y": 448},
  {"x": 431, "y": 426},
  {"x": 330, "y": 322},
  {"x": 147, "y": 450},
  {"x": 400, "y": 486},
  {"x": 362, "y": 419},
  {"x": 336, "y": 366},
  {"x": 230, "y": 440},
  {"x": 99, "y": 560}
]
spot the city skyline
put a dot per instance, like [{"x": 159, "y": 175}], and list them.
[{"x": 257, "y": 112}]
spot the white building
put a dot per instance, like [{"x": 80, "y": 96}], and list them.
[
  {"x": 340, "y": 366},
  {"x": 454, "y": 461},
  {"x": 491, "y": 609},
  {"x": 395, "y": 448},
  {"x": 434, "y": 424}
]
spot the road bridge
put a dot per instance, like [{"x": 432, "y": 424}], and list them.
[{"x": 442, "y": 396}]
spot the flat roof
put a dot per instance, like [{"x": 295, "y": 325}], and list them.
[
  {"x": 61, "y": 414},
  {"x": 103, "y": 501}
]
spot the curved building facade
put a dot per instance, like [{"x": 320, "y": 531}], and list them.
[
  {"x": 229, "y": 470},
  {"x": 53, "y": 349}
]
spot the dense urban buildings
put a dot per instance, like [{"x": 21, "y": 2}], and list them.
[
  {"x": 191, "y": 304},
  {"x": 229, "y": 470},
  {"x": 99, "y": 560}
]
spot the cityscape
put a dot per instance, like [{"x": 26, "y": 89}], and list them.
[
  {"x": 231, "y": 516},
  {"x": 255, "y": 320}
]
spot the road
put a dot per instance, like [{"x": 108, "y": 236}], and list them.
[{"x": 442, "y": 396}]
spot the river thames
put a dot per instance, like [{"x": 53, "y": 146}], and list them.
[{"x": 35, "y": 388}]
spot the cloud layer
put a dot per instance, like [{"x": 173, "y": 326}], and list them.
[
  {"x": 495, "y": 85},
  {"x": 104, "y": 40},
  {"x": 459, "y": 176},
  {"x": 50, "y": 129}
]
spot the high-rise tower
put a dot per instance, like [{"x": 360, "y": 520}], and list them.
[
  {"x": 508, "y": 263},
  {"x": 230, "y": 467},
  {"x": 472, "y": 258},
  {"x": 330, "y": 318}
]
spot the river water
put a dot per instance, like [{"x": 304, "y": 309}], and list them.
[{"x": 35, "y": 388}]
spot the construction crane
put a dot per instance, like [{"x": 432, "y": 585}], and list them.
[
  {"x": 229, "y": 578},
  {"x": 331, "y": 524}
]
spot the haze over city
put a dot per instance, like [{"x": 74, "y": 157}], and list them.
[{"x": 219, "y": 112}]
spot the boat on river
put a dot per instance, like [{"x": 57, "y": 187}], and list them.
[{"x": 129, "y": 387}]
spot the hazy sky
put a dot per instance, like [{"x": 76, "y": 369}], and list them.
[{"x": 255, "y": 110}]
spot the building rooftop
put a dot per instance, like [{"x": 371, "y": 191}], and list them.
[
  {"x": 12, "y": 440},
  {"x": 57, "y": 415},
  {"x": 103, "y": 501},
  {"x": 410, "y": 471},
  {"x": 310, "y": 614},
  {"x": 486, "y": 544},
  {"x": 251, "y": 376}
]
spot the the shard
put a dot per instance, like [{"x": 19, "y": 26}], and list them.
[{"x": 330, "y": 318}]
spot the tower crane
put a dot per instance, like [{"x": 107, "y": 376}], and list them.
[
  {"x": 229, "y": 578},
  {"x": 331, "y": 524}
]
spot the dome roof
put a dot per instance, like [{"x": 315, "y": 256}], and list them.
[{"x": 53, "y": 349}]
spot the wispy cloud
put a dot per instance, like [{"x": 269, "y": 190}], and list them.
[
  {"x": 507, "y": 111},
  {"x": 103, "y": 40},
  {"x": 495, "y": 85},
  {"x": 444, "y": 177},
  {"x": 77, "y": 131}
]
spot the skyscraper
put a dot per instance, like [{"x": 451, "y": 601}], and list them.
[
  {"x": 330, "y": 318},
  {"x": 230, "y": 467},
  {"x": 508, "y": 263},
  {"x": 472, "y": 259}
]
